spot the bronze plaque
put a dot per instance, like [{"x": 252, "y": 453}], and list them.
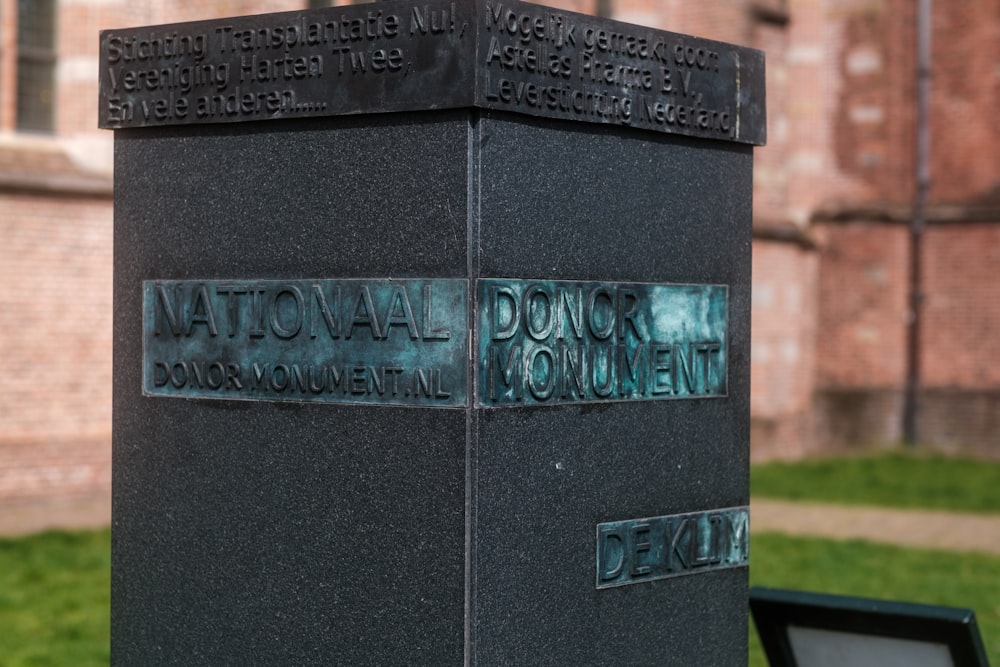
[
  {"x": 398, "y": 342},
  {"x": 637, "y": 550},
  {"x": 550, "y": 341}
]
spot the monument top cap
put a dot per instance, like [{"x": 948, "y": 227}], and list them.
[{"x": 399, "y": 55}]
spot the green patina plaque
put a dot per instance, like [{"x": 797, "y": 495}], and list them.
[
  {"x": 637, "y": 550},
  {"x": 546, "y": 342},
  {"x": 406, "y": 341},
  {"x": 398, "y": 342}
]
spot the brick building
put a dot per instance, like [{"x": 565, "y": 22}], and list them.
[{"x": 834, "y": 191}]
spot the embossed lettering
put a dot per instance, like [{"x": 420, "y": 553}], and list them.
[
  {"x": 571, "y": 308},
  {"x": 155, "y": 46},
  {"x": 376, "y": 61},
  {"x": 169, "y": 309},
  {"x": 285, "y": 311},
  {"x": 202, "y": 313},
  {"x": 323, "y": 311},
  {"x": 653, "y": 548},
  {"x": 425, "y": 20},
  {"x": 611, "y": 552},
  {"x": 364, "y": 315},
  {"x": 400, "y": 312},
  {"x": 640, "y": 549},
  {"x": 509, "y": 376},
  {"x": 527, "y": 59},
  {"x": 286, "y": 328},
  {"x": 431, "y": 331},
  {"x": 554, "y": 341},
  {"x": 572, "y": 370},
  {"x": 253, "y": 68},
  {"x": 232, "y": 294},
  {"x": 511, "y": 311},
  {"x": 392, "y": 341},
  {"x": 539, "y": 370}
]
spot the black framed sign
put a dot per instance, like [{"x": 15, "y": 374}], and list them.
[{"x": 802, "y": 629}]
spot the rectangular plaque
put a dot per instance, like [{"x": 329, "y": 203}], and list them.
[
  {"x": 435, "y": 54},
  {"x": 545, "y": 62},
  {"x": 637, "y": 550},
  {"x": 373, "y": 58},
  {"x": 399, "y": 342},
  {"x": 547, "y": 342}
]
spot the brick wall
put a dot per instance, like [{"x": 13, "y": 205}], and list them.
[
  {"x": 862, "y": 305},
  {"x": 55, "y": 405},
  {"x": 965, "y": 84},
  {"x": 960, "y": 354},
  {"x": 8, "y": 63},
  {"x": 783, "y": 344},
  {"x": 832, "y": 191},
  {"x": 864, "y": 239},
  {"x": 55, "y": 269},
  {"x": 861, "y": 337},
  {"x": 78, "y": 25},
  {"x": 872, "y": 115},
  {"x": 861, "y": 346},
  {"x": 961, "y": 327}
]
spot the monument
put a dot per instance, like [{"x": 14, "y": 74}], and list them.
[{"x": 431, "y": 338}]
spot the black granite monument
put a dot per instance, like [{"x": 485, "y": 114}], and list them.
[{"x": 431, "y": 338}]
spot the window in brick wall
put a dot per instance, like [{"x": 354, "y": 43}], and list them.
[
  {"x": 36, "y": 65},
  {"x": 770, "y": 11}
]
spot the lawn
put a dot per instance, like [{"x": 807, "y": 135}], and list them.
[
  {"x": 880, "y": 571},
  {"x": 889, "y": 479},
  {"x": 55, "y": 599},
  {"x": 54, "y": 603},
  {"x": 894, "y": 479},
  {"x": 54, "y": 587}
]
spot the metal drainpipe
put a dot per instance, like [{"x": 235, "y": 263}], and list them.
[{"x": 917, "y": 225}]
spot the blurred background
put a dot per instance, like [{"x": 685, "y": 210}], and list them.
[
  {"x": 841, "y": 357},
  {"x": 876, "y": 300}
]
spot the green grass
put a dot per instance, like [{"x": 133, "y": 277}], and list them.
[
  {"x": 894, "y": 479},
  {"x": 55, "y": 599},
  {"x": 54, "y": 587},
  {"x": 889, "y": 480},
  {"x": 880, "y": 571}
]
